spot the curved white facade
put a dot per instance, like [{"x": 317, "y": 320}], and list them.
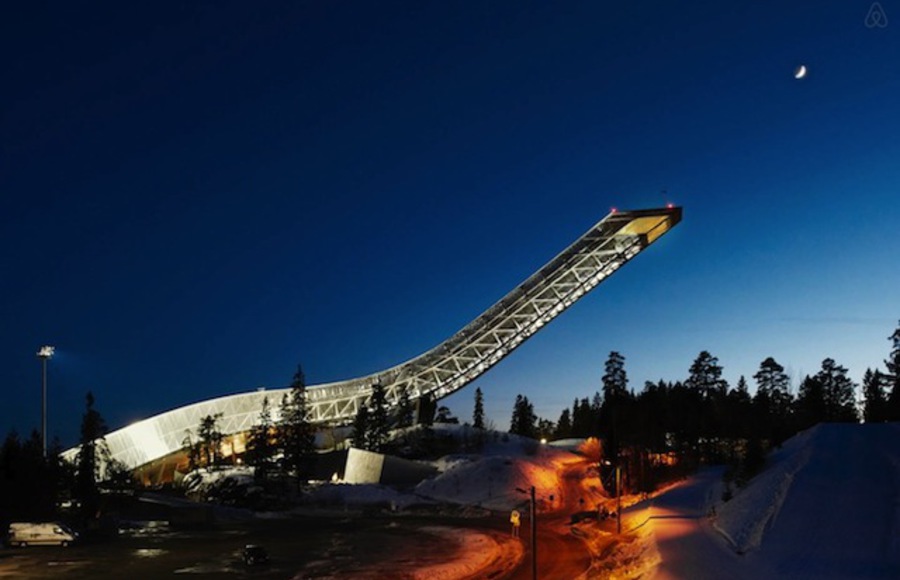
[{"x": 612, "y": 242}]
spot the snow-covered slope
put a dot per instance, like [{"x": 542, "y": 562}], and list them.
[
  {"x": 827, "y": 506},
  {"x": 490, "y": 478}
]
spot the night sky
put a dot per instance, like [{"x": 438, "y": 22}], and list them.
[{"x": 195, "y": 197}]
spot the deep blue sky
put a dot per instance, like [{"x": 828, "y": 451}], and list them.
[{"x": 196, "y": 196}]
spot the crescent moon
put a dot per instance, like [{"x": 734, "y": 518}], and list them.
[{"x": 800, "y": 72}]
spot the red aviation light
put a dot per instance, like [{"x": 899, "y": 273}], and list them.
[{"x": 613, "y": 210}]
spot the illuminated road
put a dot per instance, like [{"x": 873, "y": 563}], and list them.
[
  {"x": 560, "y": 554},
  {"x": 687, "y": 546}
]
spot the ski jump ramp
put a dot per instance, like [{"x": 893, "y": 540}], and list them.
[{"x": 446, "y": 368}]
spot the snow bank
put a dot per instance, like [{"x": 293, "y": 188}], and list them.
[
  {"x": 827, "y": 506},
  {"x": 744, "y": 519}
]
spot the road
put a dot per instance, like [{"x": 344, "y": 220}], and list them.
[
  {"x": 560, "y": 554},
  {"x": 688, "y": 547},
  {"x": 334, "y": 547}
]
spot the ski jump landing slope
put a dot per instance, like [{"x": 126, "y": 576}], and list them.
[
  {"x": 828, "y": 506},
  {"x": 448, "y": 367}
]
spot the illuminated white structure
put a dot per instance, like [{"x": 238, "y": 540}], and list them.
[{"x": 448, "y": 367}]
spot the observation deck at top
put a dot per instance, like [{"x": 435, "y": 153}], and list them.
[{"x": 444, "y": 369}]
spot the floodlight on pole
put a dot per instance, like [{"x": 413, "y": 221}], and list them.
[{"x": 44, "y": 354}]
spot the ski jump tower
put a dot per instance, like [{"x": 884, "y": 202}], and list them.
[{"x": 446, "y": 368}]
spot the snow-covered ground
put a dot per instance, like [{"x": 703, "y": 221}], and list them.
[
  {"x": 490, "y": 477},
  {"x": 829, "y": 508},
  {"x": 826, "y": 506}
]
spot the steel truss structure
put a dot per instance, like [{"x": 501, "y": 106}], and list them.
[{"x": 448, "y": 367}]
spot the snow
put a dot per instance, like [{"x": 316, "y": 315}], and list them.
[
  {"x": 826, "y": 506},
  {"x": 745, "y": 518},
  {"x": 489, "y": 479}
]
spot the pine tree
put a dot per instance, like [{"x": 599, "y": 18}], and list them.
[
  {"x": 478, "y": 414},
  {"x": 706, "y": 376},
  {"x": 615, "y": 380},
  {"x": 259, "y": 445},
  {"x": 838, "y": 391},
  {"x": 210, "y": 439},
  {"x": 773, "y": 401},
  {"x": 298, "y": 436},
  {"x": 92, "y": 454}
]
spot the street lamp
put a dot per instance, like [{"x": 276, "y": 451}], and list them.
[
  {"x": 618, "y": 494},
  {"x": 533, "y": 530},
  {"x": 44, "y": 354}
]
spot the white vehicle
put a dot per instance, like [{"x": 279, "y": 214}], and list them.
[{"x": 40, "y": 534}]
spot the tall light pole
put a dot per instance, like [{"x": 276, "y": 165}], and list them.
[
  {"x": 533, "y": 514},
  {"x": 44, "y": 354}
]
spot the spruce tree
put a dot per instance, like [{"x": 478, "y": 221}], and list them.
[
  {"x": 478, "y": 414},
  {"x": 614, "y": 407},
  {"x": 379, "y": 426},
  {"x": 361, "y": 428},
  {"x": 893, "y": 368},
  {"x": 875, "y": 404},
  {"x": 298, "y": 435},
  {"x": 259, "y": 445},
  {"x": 524, "y": 421},
  {"x": 92, "y": 454},
  {"x": 564, "y": 425},
  {"x": 581, "y": 418},
  {"x": 515, "y": 422},
  {"x": 615, "y": 380},
  {"x": 810, "y": 403}
]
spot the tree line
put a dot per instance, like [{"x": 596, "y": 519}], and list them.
[
  {"x": 704, "y": 419},
  {"x": 35, "y": 486}
]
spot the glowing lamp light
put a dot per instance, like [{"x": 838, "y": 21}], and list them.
[
  {"x": 46, "y": 351},
  {"x": 670, "y": 205},
  {"x": 543, "y": 440},
  {"x": 613, "y": 210}
]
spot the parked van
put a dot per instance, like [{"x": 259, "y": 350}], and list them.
[{"x": 40, "y": 534}]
